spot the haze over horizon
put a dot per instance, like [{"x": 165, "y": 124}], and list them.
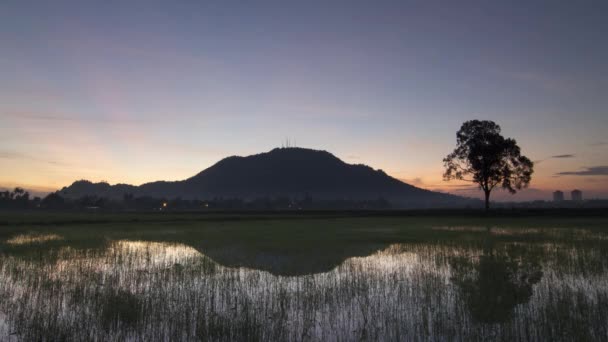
[{"x": 140, "y": 92}]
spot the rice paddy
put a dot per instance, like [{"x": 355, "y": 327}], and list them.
[{"x": 318, "y": 279}]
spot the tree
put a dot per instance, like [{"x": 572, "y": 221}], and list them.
[
  {"x": 483, "y": 156},
  {"x": 53, "y": 201}
]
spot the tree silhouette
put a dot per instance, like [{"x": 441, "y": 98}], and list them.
[
  {"x": 53, "y": 201},
  {"x": 20, "y": 194},
  {"x": 488, "y": 158}
]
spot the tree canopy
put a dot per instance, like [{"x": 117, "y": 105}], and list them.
[{"x": 483, "y": 156}]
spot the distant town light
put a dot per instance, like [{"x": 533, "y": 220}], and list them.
[{"x": 164, "y": 204}]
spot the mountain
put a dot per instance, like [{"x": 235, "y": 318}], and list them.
[{"x": 290, "y": 172}]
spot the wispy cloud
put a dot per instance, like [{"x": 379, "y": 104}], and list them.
[
  {"x": 20, "y": 156},
  {"x": 461, "y": 186},
  {"x": 457, "y": 188},
  {"x": 70, "y": 118},
  {"x": 416, "y": 181},
  {"x": 465, "y": 188},
  {"x": 588, "y": 171},
  {"x": 557, "y": 156},
  {"x": 599, "y": 143},
  {"x": 441, "y": 187}
]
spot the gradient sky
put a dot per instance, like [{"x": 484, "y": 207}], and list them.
[{"x": 145, "y": 91}]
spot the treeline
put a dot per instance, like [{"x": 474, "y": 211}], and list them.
[
  {"x": 55, "y": 201},
  {"x": 18, "y": 199}
]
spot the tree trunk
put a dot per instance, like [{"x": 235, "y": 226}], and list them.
[{"x": 487, "y": 192}]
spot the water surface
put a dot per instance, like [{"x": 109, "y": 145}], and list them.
[{"x": 350, "y": 279}]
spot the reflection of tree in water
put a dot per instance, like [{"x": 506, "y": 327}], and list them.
[{"x": 495, "y": 284}]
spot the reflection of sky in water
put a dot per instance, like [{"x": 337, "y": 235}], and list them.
[
  {"x": 404, "y": 285},
  {"x": 154, "y": 254},
  {"x": 391, "y": 259},
  {"x": 27, "y": 239}
]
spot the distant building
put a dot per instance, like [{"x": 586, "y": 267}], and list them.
[
  {"x": 576, "y": 195},
  {"x": 558, "y": 196}
]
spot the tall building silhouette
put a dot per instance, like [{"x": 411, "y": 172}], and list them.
[
  {"x": 576, "y": 195},
  {"x": 558, "y": 196}
]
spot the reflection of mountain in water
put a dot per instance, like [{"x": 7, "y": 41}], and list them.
[
  {"x": 288, "y": 263},
  {"x": 280, "y": 256}
]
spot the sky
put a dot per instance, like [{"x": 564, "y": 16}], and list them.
[{"x": 139, "y": 91}]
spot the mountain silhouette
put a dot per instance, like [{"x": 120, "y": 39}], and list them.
[{"x": 281, "y": 172}]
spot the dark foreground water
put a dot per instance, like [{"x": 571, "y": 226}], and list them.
[{"x": 365, "y": 280}]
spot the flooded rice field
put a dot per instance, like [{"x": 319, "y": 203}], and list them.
[{"x": 305, "y": 280}]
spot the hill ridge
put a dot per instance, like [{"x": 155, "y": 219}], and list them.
[{"x": 289, "y": 172}]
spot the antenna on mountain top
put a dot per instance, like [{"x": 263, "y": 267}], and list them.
[{"x": 287, "y": 143}]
